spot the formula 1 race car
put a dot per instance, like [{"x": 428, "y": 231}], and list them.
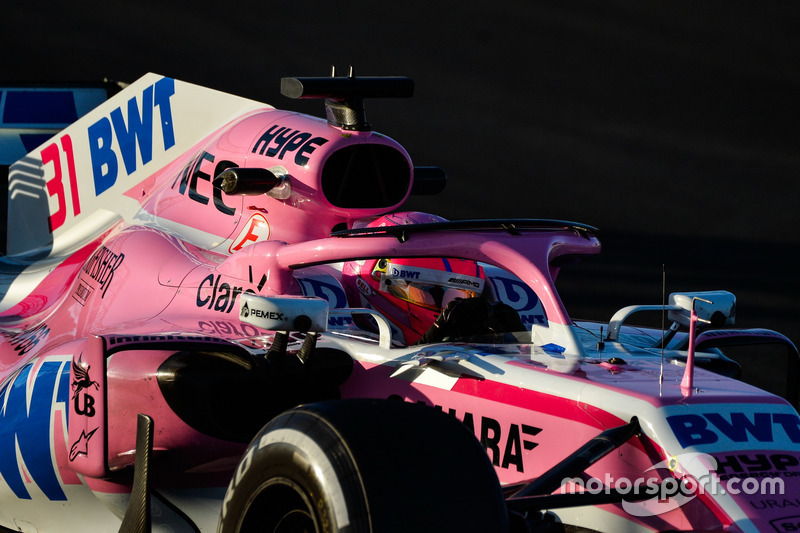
[{"x": 216, "y": 316}]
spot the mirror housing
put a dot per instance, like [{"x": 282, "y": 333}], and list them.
[
  {"x": 717, "y": 308},
  {"x": 284, "y": 313}
]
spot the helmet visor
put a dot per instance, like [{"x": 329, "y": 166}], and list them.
[
  {"x": 428, "y": 288},
  {"x": 433, "y": 297}
]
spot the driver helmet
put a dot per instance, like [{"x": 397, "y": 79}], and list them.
[{"x": 410, "y": 292}]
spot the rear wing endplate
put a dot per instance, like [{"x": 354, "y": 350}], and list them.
[
  {"x": 31, "y": 113},
  {"x": 68, "y": 190}
]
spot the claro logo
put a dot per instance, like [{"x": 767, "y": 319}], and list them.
[{"x": 218, "y": 295}]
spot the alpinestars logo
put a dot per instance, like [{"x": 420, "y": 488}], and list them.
[{"x": 81, "y": 446}]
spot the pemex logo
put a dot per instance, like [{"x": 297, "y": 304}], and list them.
[{"x": 245, "y": 312}]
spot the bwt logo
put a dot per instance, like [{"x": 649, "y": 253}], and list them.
[
  {"x": 407, "y": 274},
  {"x": 709, "y": 428},
  {"x": 136, "y": 132}
]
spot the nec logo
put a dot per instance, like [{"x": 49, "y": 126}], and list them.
[
  {"x": 136, "y": 132},
  {"x": 193, "y": 178}
]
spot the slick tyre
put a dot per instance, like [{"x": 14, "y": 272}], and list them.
[{"x": 362, "y": 466}]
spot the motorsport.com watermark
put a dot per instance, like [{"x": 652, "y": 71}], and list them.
[{"x": 692, "y": 474}]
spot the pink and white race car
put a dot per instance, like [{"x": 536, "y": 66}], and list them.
[{"x": 216, "y": 316}]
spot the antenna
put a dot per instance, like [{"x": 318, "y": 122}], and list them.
[{"x": 663, "y": 323}]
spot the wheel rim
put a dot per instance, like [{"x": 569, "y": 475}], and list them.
[
  {"x": 296, "y": 521},
  {"x": 281, "y": 506}
]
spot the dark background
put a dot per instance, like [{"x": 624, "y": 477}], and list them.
[{"x": 671, "y": 126}]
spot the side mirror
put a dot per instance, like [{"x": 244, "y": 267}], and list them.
[
  {"x": 284, "y": 313},
  {"x": 717, "y": 308}
]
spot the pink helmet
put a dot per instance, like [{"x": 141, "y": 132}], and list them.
[{"x": 410, "y": 292}]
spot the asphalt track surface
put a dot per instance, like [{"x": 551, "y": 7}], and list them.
[{"x": 671, "y": 126}]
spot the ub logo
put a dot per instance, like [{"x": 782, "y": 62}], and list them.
[{"x": 84, "y": 403}]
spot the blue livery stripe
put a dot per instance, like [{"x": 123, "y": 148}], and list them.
[{"x": 39, "y": 107}]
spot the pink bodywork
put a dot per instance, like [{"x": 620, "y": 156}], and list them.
[{"x": 146, "y": 279}]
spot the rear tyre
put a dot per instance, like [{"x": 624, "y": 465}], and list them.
[{"x": 364, "y": 465}]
